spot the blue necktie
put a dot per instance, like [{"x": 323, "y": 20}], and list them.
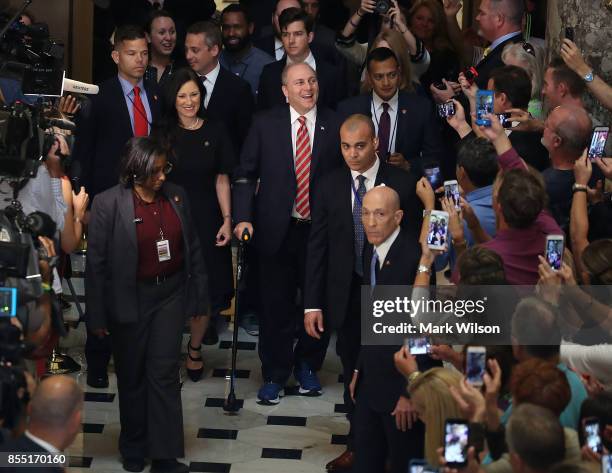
[
  {"x": 358, "y": 225},
  {"x": 373, "y": 268}
]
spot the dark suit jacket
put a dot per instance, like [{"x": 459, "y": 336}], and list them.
[
  {"x": 232, "y": 103},
  {"x": 103, "y": 130},
  {"x": 331, "y": 255},
  {"x": 418, "y": 132},
  {"x": 267, "y": 155},
  {"x": 380, "y": 383},
  {"x": 24, "y": 444},
  {"x": 270, "y": 93},
  {"x": 493, "y": 61},
  {"x": 112, "y": 258}
]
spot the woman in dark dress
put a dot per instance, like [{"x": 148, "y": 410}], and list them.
[{"x": 204, "y": 159}]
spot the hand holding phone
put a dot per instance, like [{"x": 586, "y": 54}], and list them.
[
  {"x": 554, "y": 251},
  {"x": 451, "y": 192},
  {"x": 599, "y": 139},
  {"x": 484, "y": 106},
  {"x": 437, "y": 235},
  {"x": 433, "y": 175}
]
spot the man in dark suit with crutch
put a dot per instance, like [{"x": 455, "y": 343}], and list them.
[{"x": 287, "y": 151}]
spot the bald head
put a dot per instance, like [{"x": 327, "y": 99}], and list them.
[
  {"x": 55, "y": 401},
  {"x": 573, "y": 125},
  {"x": 380, "y": 214},
  {"x": 356, "y": 122}
]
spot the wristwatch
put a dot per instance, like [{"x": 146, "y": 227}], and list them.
[
  {"x": 588, "y": 77},
  {"x": 426, "y": 213},
  {"x": 423, "y": 269},
  {"x": 579, "y": 188}
]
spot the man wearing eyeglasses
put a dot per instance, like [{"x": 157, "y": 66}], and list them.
[{"x": 404, "y": 122}]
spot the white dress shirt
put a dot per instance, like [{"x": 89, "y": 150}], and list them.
[
  {"x": 209, "y": 83},
  {"x": 279, "y": 49},
  {"x": 310, "y": 60},
  {"x": 377, "y": 110},
  {"x": 311, "y": 119},
  {"x": 383, "y": 248},
  {"x": 41, "y": 443},
  {"x": 370, "y": 180}
]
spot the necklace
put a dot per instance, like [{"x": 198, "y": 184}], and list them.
[{"x": 194, "y": 125}]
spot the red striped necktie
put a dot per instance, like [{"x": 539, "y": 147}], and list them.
[{"x": 303, "y": 157}]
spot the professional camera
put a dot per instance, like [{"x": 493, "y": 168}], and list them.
[{"x": 382, "y": 7}]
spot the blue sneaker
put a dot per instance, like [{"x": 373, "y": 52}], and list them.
[
  {"x": 308, "y": 380},
  {"x": 269, "y": 394}
]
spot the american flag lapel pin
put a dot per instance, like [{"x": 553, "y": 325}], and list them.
[
  {"x": 177, "y": 199},
  {"x": 404, "y": 111},
  {"x": 387, "y": 263}
]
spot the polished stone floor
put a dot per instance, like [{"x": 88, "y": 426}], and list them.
[{"x": 299, "y": 435}]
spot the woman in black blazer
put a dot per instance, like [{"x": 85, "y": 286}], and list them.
[{"x": 145, "y": 272}]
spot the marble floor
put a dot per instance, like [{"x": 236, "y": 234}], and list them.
[{"x": 299, "y": 435}]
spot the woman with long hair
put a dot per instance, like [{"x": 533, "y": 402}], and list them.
[{"x": 204, "y": 159}]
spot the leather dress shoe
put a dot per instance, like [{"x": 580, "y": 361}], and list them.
[
  {"x": 169, "y": 465},
  {"x": 133, "y": 464},
  {"x": 97, "y": 380},
  {"x": 342, "y": 463}
]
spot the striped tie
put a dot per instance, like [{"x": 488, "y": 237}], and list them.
[{"x": 302, "y": 169}]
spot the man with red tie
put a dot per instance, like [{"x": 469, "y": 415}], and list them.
[
  {"x": 126, "y": 106},
  {"x": 287, "y": 151}
]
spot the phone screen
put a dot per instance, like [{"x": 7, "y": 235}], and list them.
[
  {"x": 606, "y": 464},
  {"x": 475, "y": 365},
  {"x": 438, "y": 230},
  {"x": 554, "y": 252},
  {"x": 504, "y": 119},
  {"x": 484, "y": 105},
  {"x": 434, "y": 176},
  {"x": 456, "y": 443},
  {"x": 419, "y": 346},
  {"x": 8, "y": 302},
  {"x": 591, "y": 435},
  {"x": 451, "y": 191},
  {"x": 569, "y": 33},
  {"x": 598, "y": 142},
  {"x": 417, "y": 466},
  {"x": 446, "y": 109}
]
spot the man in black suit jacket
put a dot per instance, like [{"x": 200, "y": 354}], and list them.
[
  {"x": 55, "y": 415},
  {"x": 296, "y": 35},
  {"x": 103, "y": 128},
  {"x": 385, "y": 422},
  {"x": 287, "y": 152},
  {"x": 405, "y": 123},
  {"x": 500, "y": 23},
  {"x": 334, "y": 269},
  {"x": 228, "y": 97}
]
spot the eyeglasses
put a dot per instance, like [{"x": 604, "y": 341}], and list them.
[
  {"x": 167, "y": 169},
  {"x": 529, "y": 48}
]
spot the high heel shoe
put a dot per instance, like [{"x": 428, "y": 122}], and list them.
[{"x": 195, "y": 374}]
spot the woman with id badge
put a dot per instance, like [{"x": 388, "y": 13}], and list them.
[{"x": 145, "y": 273}]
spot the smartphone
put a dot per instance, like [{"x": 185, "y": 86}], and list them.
[
  {"x": 456, "y": 435},
  {"x": 569, "y": 33},
  {"x": 554, "y": 251},
  {"x": 475, "y": 365},
  {"x": 598, "y": 142},
  {"x": 417, "y": 466},
  {"x": 504, "y": 119},
  {"x": 446, "y": 109},
  {"x": 8, "y": 301},
  {"x": 451, "y": 191},
  {"x": 484, "y": 105},
  {"x": 470, "y": 74},
  {"x": 590, "y": 428},
  {"x": 606, "y": 463},
  {"x": 418, "y": 346},
  {"x": 434, "y": 176},
  {"x": 437, "y": 236}
]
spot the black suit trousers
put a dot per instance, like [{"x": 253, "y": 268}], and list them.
[
  {"x": 347, "y": 348},
  {"x": 281, "y": 276},
  {"x": 379, "y": 442},
  {"x": 97, "y": 354},
  {"x": 147, "y": 364}
]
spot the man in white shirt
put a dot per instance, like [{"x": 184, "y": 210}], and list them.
[
  {"x": 296, "y": 36},
  {"x": 55, "y": 415},
  {"x": 286, "y": 153}
]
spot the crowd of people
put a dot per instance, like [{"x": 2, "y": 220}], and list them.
[{"x": 319, "y": 140}]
